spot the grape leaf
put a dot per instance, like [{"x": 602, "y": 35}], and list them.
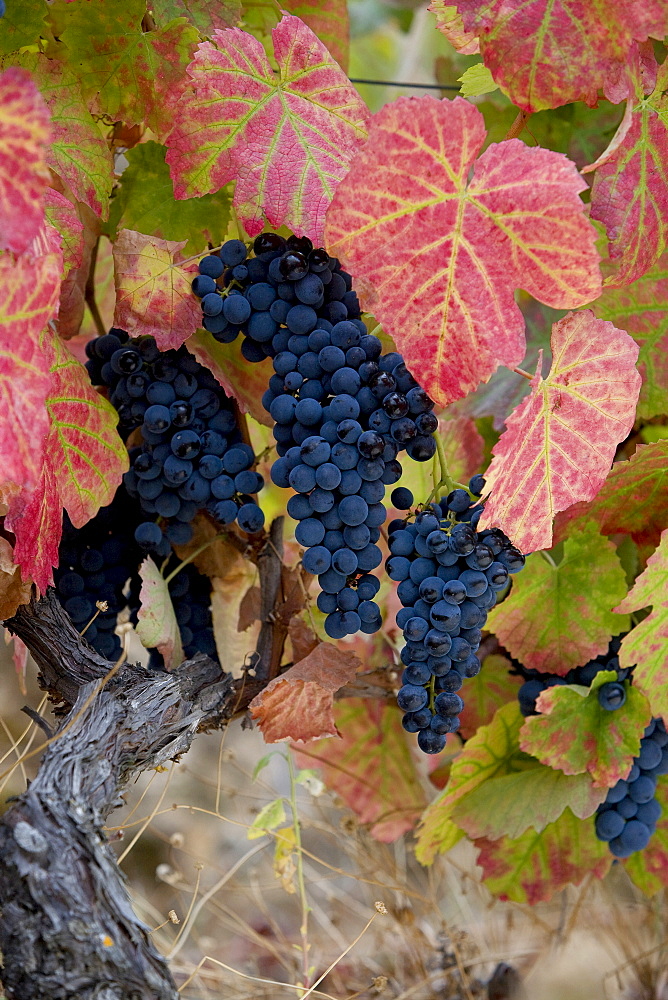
[
  {"x": 545, "y": 53},
  {"x": 575, "y": 734},
  {"x": 153, "y": 293},
  {"x": 557, "y": 617},
  {"x": 73, "y": 289},
  {"x": 83, "y": 448},
  {"x": 642, "y": 310},
  {"x": 298, "y": 705},
  {"x": 329, "y": 20},
  {"x": 126, "y": 73},
  {"x": 156, "y": 622},
  {"x": 24, "y": 135},
  {"x": 243, "y": 382},
  {"x": 492, "y": 688},
  {"x": 475, "y": 81},
  {"x": 22, "y": 24},
  {"x": 646, "y": 645},
  {"x": 649, "y": 868},
  {"x": 62, "y": 215},
  {"x": 632, "y": 501},
  {"x": 531, "y": 868},
  {"x": 371, "y": 767},
  {"x": 28, "y": 300},
  {"x": 449, "y": 23},
  {"x": 13, "y": 590},
  {"x": 630, "y": 191},
  {"x": 204, "y": 14},
  {"x": 286, "y": 139},
  {"x": 84, "y": 461},
  {"x": 144, "y": 201},
  {"x": 560, "y": 442},
  {"x": 492, "y": 750},
  {"x": 437, "y": 256},
  {"x": 79, "y": 152}
]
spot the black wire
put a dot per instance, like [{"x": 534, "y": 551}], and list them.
[{"x": 418, "y": 86}]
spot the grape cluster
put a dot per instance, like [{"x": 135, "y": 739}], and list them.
[
  {"x": 192, "y": 456},
  {"x": 100, "y": 562},
  {"x": 190, "y": 592},
  {"x": 628, "y": 817},
  {"x": 342, "y": 410},
  {"x": 611, "y": 695},
  {"x": 287, "y": 288},
  {"x": 449, "y": 576}
]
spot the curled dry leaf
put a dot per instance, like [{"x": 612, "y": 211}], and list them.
[
  {"x": 13, "y": 591},
  {"x": 298, "y": 705}
]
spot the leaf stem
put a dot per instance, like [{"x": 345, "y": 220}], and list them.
[
  {"x": 518, "y": 125},
  {"x": 306, "y": 909},
  {"x": 520, "y": 371},
  {"x": 89, "y": 293}
]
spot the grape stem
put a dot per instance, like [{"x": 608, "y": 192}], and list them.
[
  {"x": 432, "y": 693},
  {"x": 446, "y": 481},
  {"x": 193, "y": 555}
]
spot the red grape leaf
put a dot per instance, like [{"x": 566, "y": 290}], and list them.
[
  {"x": 286, "y": 139},
  {"x": 204, "y": 14},
  {"x": 62, "y": 216},
  {"x": 79, "y": 152},
  {"x": 646, "y": 645},
  {"x": 126, "y": 73},
  {"x": 299, "y": 704},
  {"x": 329, "y": 20},
  {"x": 449, "y": 23},
  {"x": 484, "y": 694},
  {"x": 241, "y": 381},
  {"x": 560, "y": 441},
  {"x": 437, "y": 256},
  {"x": 156, "y": 621},
  {"x": 649, "y": 868},
  {"x": 576, "y": 735},
  {"x": 371, "y": 767},
  {"x": 73, "y": 290},
  {"x": 83, "y": 448},
  {"x": 545, "y": 53},
  {"x": 557, "y": 617},
  {"x": 642, "y": 310},
  {"x": 492, "y": 750},
  {"x": 633, "y": 499},
  {"x": 24, "y": 135},
  {"x": 28, "y": 300},
  {"x": 84, "y": 461},
  {"x": 153, "y": 293},
  {"x": 531, "y": 868},
  {"x": 630, "y": 191},
  {"x": 13, "y": 590}
]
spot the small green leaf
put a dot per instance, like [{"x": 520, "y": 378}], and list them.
[
  {"x": 263, "y": 762},
  {"x": 476, "y": 80},
  {"x": 269, "y": 817}
]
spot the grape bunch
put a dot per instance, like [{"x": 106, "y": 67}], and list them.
[
  {"x": 628, "y": 817},
  {"x": 100, "y": 562},
  {"x": 449, "y": 576},
  {"x": 342, "y": 410},
  {"x": 286, "y": 288},
  {"x": 190, "y": 593},
  {"x": 192, "y": 456},
  {"x": 611, "y": 695}
]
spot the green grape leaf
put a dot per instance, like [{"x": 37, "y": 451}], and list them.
[
  {"x": 129, "y": 74},
  {"x": 22, "y": 24},
  {"x": 145, "y": 202},
  {"x": 576, "y": 735},
  {"x": 642, "y": 310},
  {"x": 531, "y": 868},
  {"x": 476, "y": 80},
  {"x": 646, "y": 646},
  {"x": 488, "y": 691},
  {"x": 557, "y": 617},
  {"x": 204, "y": 14}
]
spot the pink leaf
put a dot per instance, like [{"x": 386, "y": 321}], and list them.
[
  {"x": 153, "y": 293},
  {"x": 561, "y": 440},
  {"x": 630, "y": 192},
  {"x": 438, "y": 256},
  {"x": 545, "y": 53},
  {"x": 449, "y": 23},
  {"x": 242, "y": 382},
  {"x": 298, "y": 705},
  {"x": 62, "y": 216},
  {"x": 24, "y": 135},
  {"x": 286, "y": 139}
]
